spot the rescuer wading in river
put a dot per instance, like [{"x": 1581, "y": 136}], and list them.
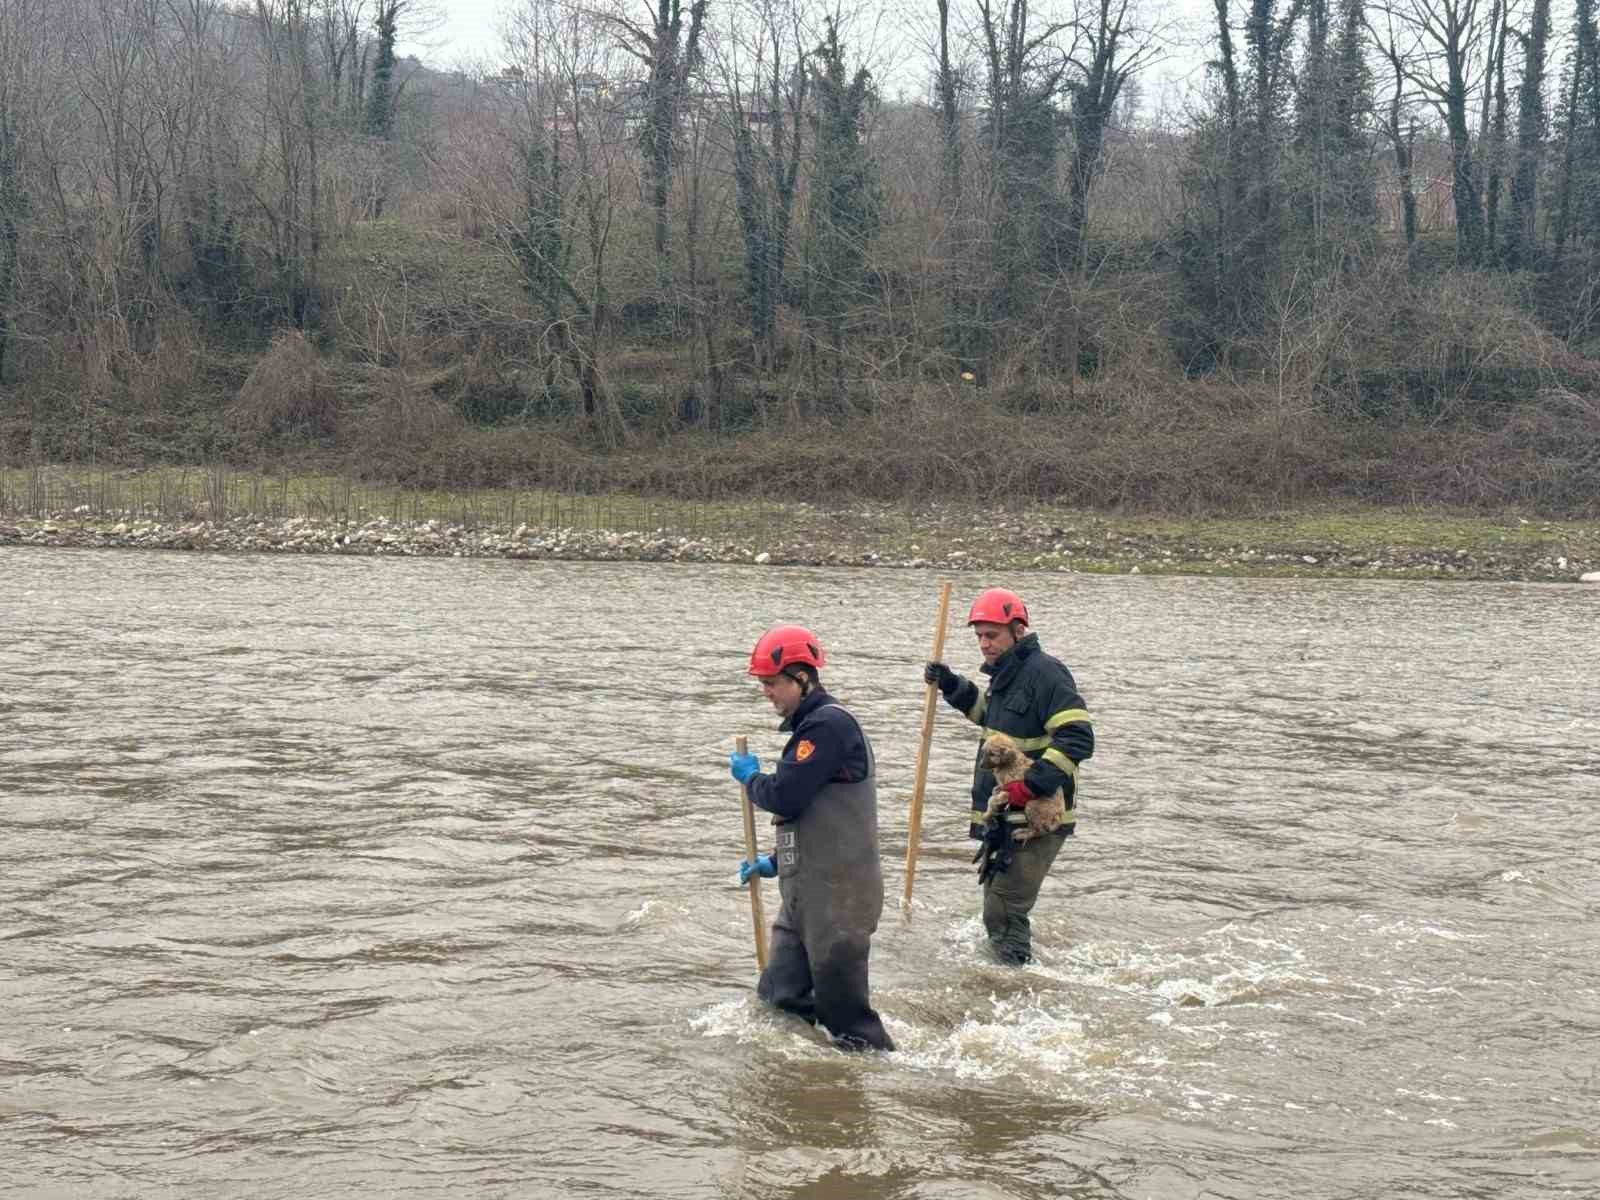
[
  {"x": 823, "y": 801},
  {"x": 1031, "y": 697}
]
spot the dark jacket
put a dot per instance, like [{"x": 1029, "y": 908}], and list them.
[
  {"x": 823, "y": 798},
  {"x": 825, "y": 746},
  {"x": 1033, "y": 698}
]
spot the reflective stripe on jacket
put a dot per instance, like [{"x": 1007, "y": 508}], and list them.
[{"x": 1032, "y": 698}]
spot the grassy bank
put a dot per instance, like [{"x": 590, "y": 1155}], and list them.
[
  {"x": 219, "y": 508},
  {"x": 214, "y": 493},
  {"x": 1194, "y": 447}
]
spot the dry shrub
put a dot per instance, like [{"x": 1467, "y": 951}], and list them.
[
  {"x": 1192, "y": 447},
  {"x": 1124, "y": 326},
  {"x": 174, "y": 365},
  {"x": 648, "y": 364},
  {"x": 1135, "y": 433},
  {"x": 479, "y": 382},
  {"x": 173, "y": 394},
  {"x": 957, "y": 442},
  {"x": 1546, "y": 455},
  {"x": 357, "y": 178},
  {"x": 396, "y": 428},
  {"x": 1197, "y": 447},
  {"x": 1020, "y": 375},
  {"x": 402, "y": 294},
  {"x": 113, "y": 392},
  {"x": 1443, "y": 347},
  {"x": 288, "y": 394},
  {"x": 95, "y": 353}
]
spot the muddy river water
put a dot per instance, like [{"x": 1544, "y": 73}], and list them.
[{"x": 335, "y": 877}]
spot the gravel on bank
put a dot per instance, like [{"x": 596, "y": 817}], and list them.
[{"x": 864, "y": 538}]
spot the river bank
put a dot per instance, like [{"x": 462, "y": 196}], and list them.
[{"x": 1372, "y": 544}]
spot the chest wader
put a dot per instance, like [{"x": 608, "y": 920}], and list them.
[{"x": 832, "y": 889}]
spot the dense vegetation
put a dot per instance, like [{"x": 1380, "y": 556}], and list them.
[{"x": 699, "y": 250}]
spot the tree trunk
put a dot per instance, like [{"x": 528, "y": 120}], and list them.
[
  {"x": 1530, "y": 134},
  {"x": 1462, "y": 180},
  {"x": 671, "y": 54},
  {"x": 11, "y": 199},
  {"x": 1580, "y": 63},
  {"x": 1494, "y": 155}
]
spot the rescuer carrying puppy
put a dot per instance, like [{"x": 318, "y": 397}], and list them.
[{"x": 1032, "y": 698}]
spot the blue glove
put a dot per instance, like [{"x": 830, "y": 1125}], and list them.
[
  {"x": 766, "y": 867},
  {"x": 744, "y": 766}
]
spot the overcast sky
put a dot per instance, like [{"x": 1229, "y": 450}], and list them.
[{"x": 470, "y": 30}]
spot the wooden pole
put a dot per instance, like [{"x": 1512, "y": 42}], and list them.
[
  {"x": 760, "y": 922},
  {"x": 929, "y": 705}
]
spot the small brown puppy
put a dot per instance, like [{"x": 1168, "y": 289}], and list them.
[{"x": 1045, "y": 813}]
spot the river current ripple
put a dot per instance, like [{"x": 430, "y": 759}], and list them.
[{"x": 340, "y": 877}]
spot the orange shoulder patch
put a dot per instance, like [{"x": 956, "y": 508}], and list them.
[{"x": 803, "y": 750}]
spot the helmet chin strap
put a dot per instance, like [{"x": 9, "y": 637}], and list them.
[{"x": 803, "y": 678}]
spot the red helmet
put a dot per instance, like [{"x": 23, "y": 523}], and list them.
[
  {"x": 783, "y": 646},
  {"x": 998, "y": 606}
]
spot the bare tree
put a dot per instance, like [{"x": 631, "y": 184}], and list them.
[
  {"x": 704, "y": 183},
  {"x": 765, "y": 77},
  {"x": 949, "y": 84},
  {"x": 571, "y": 176},
  {"x": 1110, "y": 49},
  {"x": 344, "y": 54},
  {"x": 1492, "y": 116},
  {"x": 1111, "y": 46},
  {"x": 393, "y": 21},
  {"x": 118, "y": 61},
  {"x": 961, "y": 231},
  {"x": 19, "y": 19},
  {"x": 1439, "y": 49},
  {"x": 201, "y": 139},
  {"x": 1401, "y": 128},
  {"x": 670, "y": 52},
  {"x": 288, "y": 171}
]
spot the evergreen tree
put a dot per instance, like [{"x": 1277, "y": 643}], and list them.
[
  {"x": 1231, "y": 234},
  {"x": 765, "y": 175},
  {"x": 1579, "y": 186},
  {"x": 1530, "y": 140},
  {"x": 1022, "y": 133},
  {"x": 1332, "y": 181},
  {"x": 846, "y": 202},
  {"x": 380, "y": 95}
]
